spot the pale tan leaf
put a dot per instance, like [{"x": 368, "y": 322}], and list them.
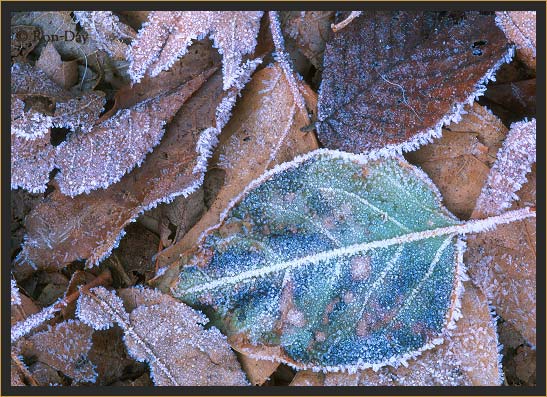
[
  {"x": 258, "y": 371},
  {"x": 520, "y": 28},
  {"x": 167, "y": 334},
  {"x": 503, "y": 263},
  {"x": 264, "y": 131},
  {"x": 65, "y": 74},
  {"x": 167, "y": 35},
  {"x": 459, "y": 162}
]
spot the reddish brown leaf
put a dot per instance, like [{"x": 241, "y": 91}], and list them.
[{"x": 393, "y": 79}]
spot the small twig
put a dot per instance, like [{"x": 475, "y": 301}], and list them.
[{"x": 341, "y": 25}]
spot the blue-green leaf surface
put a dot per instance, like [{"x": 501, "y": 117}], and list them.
[{"x": 332, "y": 261}]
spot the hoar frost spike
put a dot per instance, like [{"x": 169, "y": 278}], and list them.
[
  {"x": 166, "y": 36},
  {"x": 305, "y": 261}
]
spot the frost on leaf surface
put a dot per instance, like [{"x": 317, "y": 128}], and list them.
[
  {"x": 106, "y": 30},
  {"x": 115, "y": 146},
  {"x": 393, "y": 79},
  {"x": 502, "y": 263},
  {"x": 166, "y": 36},
  {"x": 520, "y": 28},
  {"x": 467, "y": 357},
  {"x": 47, "y": 103},
  {"x": 63, "y": 347},
  {"x": 175, "y": 168},
  {"x": 323, "y": 262},
  {"x": 167, "y": 334}
]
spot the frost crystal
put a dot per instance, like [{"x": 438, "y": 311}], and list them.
[
  {"x": 166, "y": 36},
  {"x": 520, "y": 28},
  {"x": 106, "y": 30},
  {"x": 514, "y": 161},
  {"x": 15, "y": 294},
  {"x": 167, "y": 334},
  {"x": 114, "y": 147}
]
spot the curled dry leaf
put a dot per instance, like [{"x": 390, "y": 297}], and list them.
[
  {"x": 310, "y": 30},
  {"x": 393, "y": 79},
  {"x": 64, "y": 74},
  {"x": 520, "y": 28},
  {"x": 467, "y": 357},
  {"x": 174, "y": 168},
  {"x": 63, "y": 347},
  {"x": 305, "y": 261},
  {"x": 167, "y": 334},
  {"x": 459, "y": 162},
  {"x": 252, "y": 143},
  {"x": 167, "y": 35},
  {"x": 106, "y": 30}
]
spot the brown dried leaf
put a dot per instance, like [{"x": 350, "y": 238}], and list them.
[
  {"x": 23, "y": 40},
  {"x": 469, "y": 357},
  {"x": 311, "y": 30},
  {"x": 508, "y": 174},
  {"x": 52, "y": 23},
  {"x": 516, "y": 97},
  {"x": 459, "y": 162},
  {"x": 258, "y": 371},
  {"x": 264, "y": 131},
  {"x": 64, "y": 74},
  {"x": 393, "y": 79},
  {"x": 51, "y": 104},
  {"x": 106, "y": 31},
  {"x": 503, "y": 263},
  {"x": 520, "y": 28},
  {"x": 168, "y": 335},
  {"x": 110, "y": 356},
  {"x": 114, "y": 147},
  {"x": 64, "y": 347},
  {"x": 174, "y": 168},
  {"x": 167, "y": 36}
]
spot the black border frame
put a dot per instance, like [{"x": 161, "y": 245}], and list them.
[{"x": 11, "y": 6}]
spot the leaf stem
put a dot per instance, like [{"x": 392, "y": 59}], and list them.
[{"x": 474, "y": 226}]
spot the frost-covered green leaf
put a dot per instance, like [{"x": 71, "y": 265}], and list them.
[{"x": 333, "y": 261}]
